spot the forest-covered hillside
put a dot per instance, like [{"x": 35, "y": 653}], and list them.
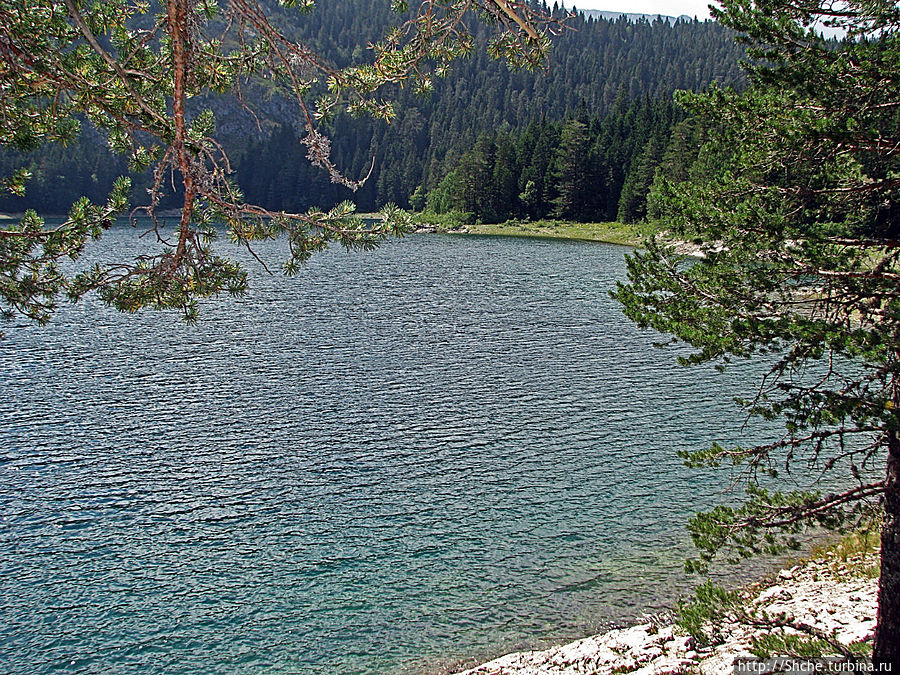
[
  {"x": 583, "y": 169},
  {"x": 601, "y": 66}
]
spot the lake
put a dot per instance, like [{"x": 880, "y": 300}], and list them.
[{"x": 396, "y": 461}]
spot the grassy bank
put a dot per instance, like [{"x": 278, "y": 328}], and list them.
[{"x": 612, "y": 233}]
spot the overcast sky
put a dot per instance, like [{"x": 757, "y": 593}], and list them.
[{"x": 698, "y": 8}]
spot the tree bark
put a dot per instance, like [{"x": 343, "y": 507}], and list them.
[
  {"x": 887, "y": 632},
  {"x": 177, "y": 11}
]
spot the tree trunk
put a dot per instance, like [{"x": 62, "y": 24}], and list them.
[
  {"x": 887, "y": 632},
  {"x": 178, "y": 11}
]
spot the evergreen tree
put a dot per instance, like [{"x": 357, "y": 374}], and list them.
[
  {"x": 473, "y": 189},
  {"x": 535, "y": 149},
  {"x": 633, "y": 199},
  {"x": 505, "y": 180},
  {"x": 571, "y": 172},
  {"x": 794, "y": 202}
]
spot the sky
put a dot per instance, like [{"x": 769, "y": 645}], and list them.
[{"x": 698, "y": 8}]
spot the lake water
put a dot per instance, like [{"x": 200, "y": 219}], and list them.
[{"x": 436, "y": 452}]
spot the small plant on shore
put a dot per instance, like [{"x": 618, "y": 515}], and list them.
[
  {"x": 702, "y": 616},
  {"x": 855, "y": 553},
  {"x": 851, "y": 545},
  {"x": 802, "y": 646}
]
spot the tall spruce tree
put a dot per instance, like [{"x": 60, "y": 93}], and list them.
[
  {"x": 571, "y": 171},
  {"x": 794, "y": 204},
  {"x": 143, "y": 74}
]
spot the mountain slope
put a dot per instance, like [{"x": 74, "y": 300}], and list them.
[{"x": 599, "y": 63}]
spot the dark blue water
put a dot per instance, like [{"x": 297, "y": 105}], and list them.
[{"x": 439, "y": 451}]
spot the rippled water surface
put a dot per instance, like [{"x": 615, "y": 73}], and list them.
[{"x": 442, "y": 450}]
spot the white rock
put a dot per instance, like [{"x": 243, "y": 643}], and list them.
[{"x": 830, "y": 601}]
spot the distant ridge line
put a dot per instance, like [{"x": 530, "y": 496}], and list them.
[{"x": 612, "y": 16}]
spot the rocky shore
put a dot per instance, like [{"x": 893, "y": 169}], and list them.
[{"x": 833, "y": 595}]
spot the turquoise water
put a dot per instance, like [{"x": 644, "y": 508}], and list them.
[{"x": 395, "y": 462}]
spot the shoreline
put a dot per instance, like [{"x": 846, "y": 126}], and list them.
[
  {"x": 632, "y": 235},
  {"x": 834, "y": 593},
  {"x": 621, "y": 234}
]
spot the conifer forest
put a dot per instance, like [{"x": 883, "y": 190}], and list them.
[{"x": 579, "y": 140}]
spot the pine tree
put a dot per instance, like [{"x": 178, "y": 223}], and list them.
[
  {"x": 793, "y": 200},
  {"x": 505, "y": 180},
  {"x": 571, "y": 173},
  {"x": 535, "y": 151}
]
